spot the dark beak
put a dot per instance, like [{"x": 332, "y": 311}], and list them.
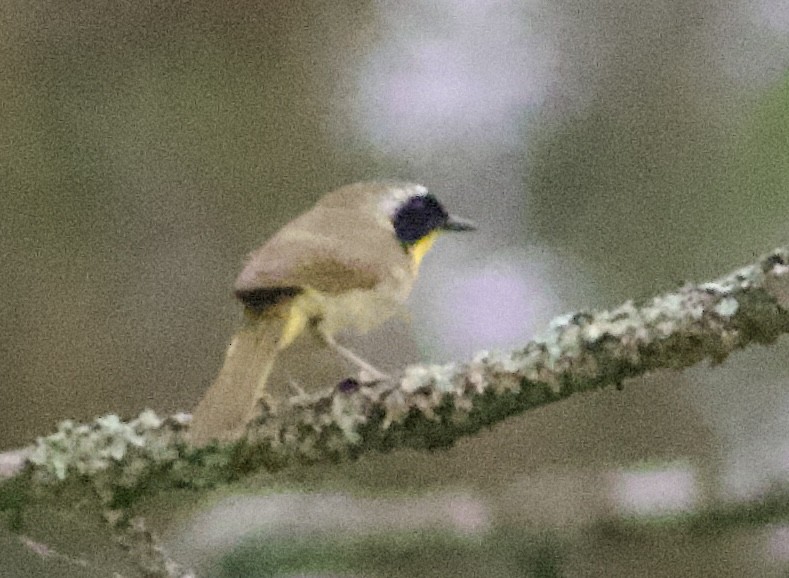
[{"x": 454, "y": 223}]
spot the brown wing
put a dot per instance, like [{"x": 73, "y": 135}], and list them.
[{"x": 332, "y": 250}]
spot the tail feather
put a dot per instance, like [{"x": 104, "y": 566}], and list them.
[{"x": 230, "y": 402}]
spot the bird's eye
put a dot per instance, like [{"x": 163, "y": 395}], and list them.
[{"x": 418, "y": 216}]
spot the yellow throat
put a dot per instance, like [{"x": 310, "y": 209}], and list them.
[{"x": 420, "y": 248}]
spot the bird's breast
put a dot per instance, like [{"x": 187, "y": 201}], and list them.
[{"x": 360, "y": 309}]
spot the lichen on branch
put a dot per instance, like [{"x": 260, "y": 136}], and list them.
[
  {"x": 114, "y": 462},
  {"x": 432, "y": 406}
]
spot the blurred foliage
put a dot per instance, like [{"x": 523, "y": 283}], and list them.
[
  {"x": 671, "y": 199},
  {"x": 418, "y": 553},
  {"x": 723, "y": 540}
]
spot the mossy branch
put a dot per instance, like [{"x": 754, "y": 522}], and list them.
[{"x": 428, "y": 407}]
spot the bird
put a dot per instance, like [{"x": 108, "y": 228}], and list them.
[{"x": 349, "y": 262}]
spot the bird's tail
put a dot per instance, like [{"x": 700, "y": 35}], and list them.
[{"x": 231, "y": 401}]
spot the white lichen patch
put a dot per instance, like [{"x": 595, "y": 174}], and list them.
[
  {"x": 88, "y": 449},
  {"x": 346, "y": 413},
  {"x": 504, "y": 361},
  {"x": 395, "y": 408},
  {"x": 777, "y": 285},
  {"x": 417, "y": 377},
  {"x": 727, "y": 307},
  {"x": 716, "y": 288}
]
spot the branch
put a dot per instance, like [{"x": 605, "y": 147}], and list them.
[
  {"x": 434, "y": 405},
  {"x": 431, "y": 406}
]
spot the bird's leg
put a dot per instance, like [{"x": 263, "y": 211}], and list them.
[
  {"x": 374, "y": 374},
  {"x": 298, "y": 391}
]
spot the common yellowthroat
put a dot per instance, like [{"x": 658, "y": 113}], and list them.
[{"x": 348, "y": 262}]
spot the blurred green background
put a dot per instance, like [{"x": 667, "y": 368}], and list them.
[{"x": 607, "y": 149}]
